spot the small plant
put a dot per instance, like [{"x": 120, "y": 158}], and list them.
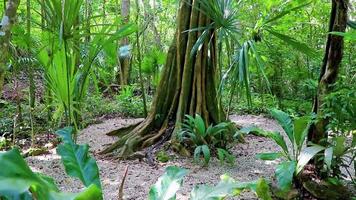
[
  {"x": 129, "y": 103},
  {"x": 18, "y": 181},
  {"x": 340, "y": 154},
  {"x": 204, "y": 139},
  {"x": 297, "y": 157},
  {"x": 162, "y": 156},
  {"x": 168, "y": 185}
]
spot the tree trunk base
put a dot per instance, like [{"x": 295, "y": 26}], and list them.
[{"x": 139, "y": 136}]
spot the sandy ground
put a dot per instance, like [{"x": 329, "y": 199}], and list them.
[{"x": 141, "y": 176}]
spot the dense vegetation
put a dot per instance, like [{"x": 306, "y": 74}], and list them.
[{"x": 185, "y": 67}]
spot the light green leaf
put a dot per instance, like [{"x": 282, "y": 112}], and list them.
[
  {"x": 263, "y": 190},
  {"x": 299, "y": 46},
  {"x": 351, "y": 36},
  {"x": 301, "y": 126},
  {"x": 307, "y": 154},
  {"x": 328, "y": 156},
  {"x": 167, "y": 185},
  {"x": 285, "y": 12},
  {"x": 226, "y": 187},
  {"x": 269, "y": 156},
  {"x": 339, "y": 146}
]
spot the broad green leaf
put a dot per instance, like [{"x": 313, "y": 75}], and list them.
[
  {"x": 278, "y": 138},
  {"x": 263, "y": 190},
  {"x": 90, "y": 193},
  {"x": 226, "y": 187},
  {"x": 307, "y": 154},
  {"x": 269, "y": 156},
  {"x": 202, "y": 149},
  {"x": 76, "y": 159},
  {"x": 253, "y": 130},
  {"x": 328, "y": 156},
  {"x": 16, "y": 179},
  {"x": 299, "y": 46},
  {"x": 167, "y": 185},
  {"x": 285, "y": 121},
  {"x": 301, "y": 130},
  {"x": 200, "y": 125},
  {"x": 284, "y": 174}
]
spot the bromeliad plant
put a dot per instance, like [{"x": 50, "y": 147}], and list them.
[
  {"x": 207, "y": 140},
  {"x": 168, "y": 185},
  {"x": 18, "y": 181},
  {"x": 294, "y": 158}
]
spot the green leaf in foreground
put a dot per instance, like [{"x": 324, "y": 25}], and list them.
[
  {"x": 76, "y": 159},
  {"x": 168, "y": 184},
  {"x": 284, "y": 174},
  {"x": 17, "y": 179},
  {"x": 263, "y": 190},
  {"x": 307, "y": 154}
]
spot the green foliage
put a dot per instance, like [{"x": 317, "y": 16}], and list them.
[
  {"x": 67, "y": 81},
  {"x": 129, "y": 103},
  {"x": 340, "y": 108},
  {"x": 340, "y": 154},
  {"x": 296, "y": 158},
  {"x": 76, "y": 160},
  {"x": 206, "y": 140},
  {"x": 152, "y": 64},
  {"x": 162, "y": 156},
  {"x": 167, "y": 186},
  {"x": 17, "y": 180}
]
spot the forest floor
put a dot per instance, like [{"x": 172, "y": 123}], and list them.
[{"x": 141, "y": 176}]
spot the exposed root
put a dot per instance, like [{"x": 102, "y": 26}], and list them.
[{"x": 123, "y": 130}]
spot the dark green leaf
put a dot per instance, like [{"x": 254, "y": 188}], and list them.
[
  {"x": 284, "y": 174},
  {"x": 76, "y": 159}
]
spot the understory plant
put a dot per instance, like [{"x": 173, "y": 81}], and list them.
[
  {"x": 297, "y": 156},
  {"x": 340, "y": 154},
  {"x": 18, "y": 181},
  {"x": 207, "y": 140},
  {"x": 168, "y": 185},
  {"x": 67, "y": 70}
]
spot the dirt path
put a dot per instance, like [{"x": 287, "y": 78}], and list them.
[{"x": 141, "y": 176}]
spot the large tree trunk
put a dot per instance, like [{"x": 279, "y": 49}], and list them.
[
  {"x": 330, "y": 68},
  {"x": 124, "y": 60},
  {"x": 187, "y": 86},
  {"x": 7, "y": 22}
]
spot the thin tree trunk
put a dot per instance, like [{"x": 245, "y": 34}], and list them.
[
  {"x": 330, "y": 68},
  {"x": 124, "y": 65},
  {"x": 7, "y": 22},
  {"x": 30, "y": 67},
  {"x": 187, "y": 86},
  {"x": 139, "y": 60}
]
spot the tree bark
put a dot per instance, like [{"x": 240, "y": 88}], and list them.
[
  {"x": 330, "y": 68},
  {"x": 187, "y": 86},
  {"x": 7, "y": 22},
  {"x": 124, "y": 65}
]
